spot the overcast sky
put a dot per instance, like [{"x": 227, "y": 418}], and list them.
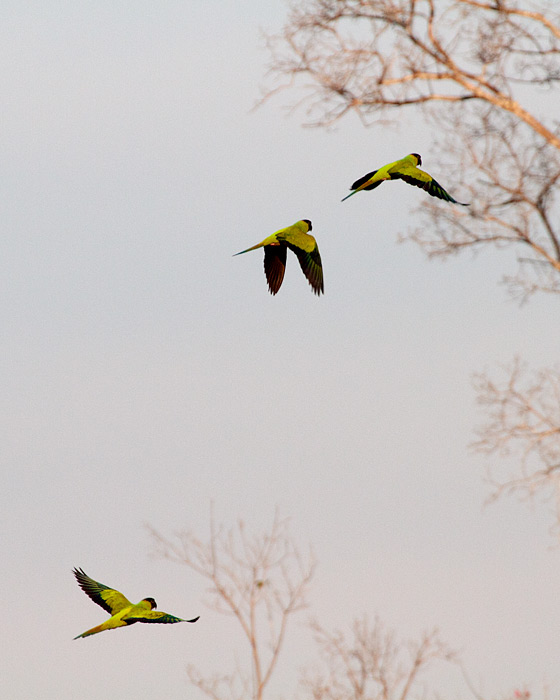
[{"x": 146, "y": 373}]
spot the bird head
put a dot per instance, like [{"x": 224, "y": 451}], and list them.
[
  {"x": 150, "y": 602},
  {"x": 309, "y": 224},
  {"x": 418, "y": 158}
]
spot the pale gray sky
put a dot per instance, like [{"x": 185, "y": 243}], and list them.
[{"x": 147, "y": 372}]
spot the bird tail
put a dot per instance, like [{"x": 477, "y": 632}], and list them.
[
  {"x": 349, "y": 195},
  {"x": 254, "y": 247},
  {"x": 93, "y": 630},
  {"x": 110, "y": 624}
]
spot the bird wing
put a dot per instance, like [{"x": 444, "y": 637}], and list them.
[
  {"x": 419, "y": 178},
  {"x": 155, "y": 616},
  {"x": 274, "y": 266},
  {"x": 307, "y": 252},
  {"x": 110, "y": 600},
  {"x": 364, "y": 179}
]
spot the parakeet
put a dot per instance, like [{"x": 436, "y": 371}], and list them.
[
  {"x": 298, "y": 240},
  {"x": 122, "y": 611},
  {"x": 404, "y": 169}
]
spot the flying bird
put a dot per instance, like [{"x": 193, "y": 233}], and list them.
[
  {"x": 404, "y": 169},
  {"x": 298, "y": 240},
  {"x": 122, "y": 611}
]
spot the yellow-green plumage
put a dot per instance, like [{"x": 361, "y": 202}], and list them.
[
  {"x": 404, "y": 169},
  {"x": 300, "y": 242},
  {"x": 122, "y": 611}
]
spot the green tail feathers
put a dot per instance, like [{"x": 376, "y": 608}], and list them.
[
  {"x": 259, "y": 245},
  {"x": 349, "y": 195}
]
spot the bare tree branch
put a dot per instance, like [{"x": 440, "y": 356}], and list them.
[
  {"x": 476, "y": 69},
  {"x": 370, "y": 663},
  {"x": 522, "y": 418},
  {"x": 259, "y": 579},
  {"x": 461, "y": 62}
]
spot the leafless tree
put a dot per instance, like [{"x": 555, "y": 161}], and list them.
[
  {"x": 484, "y": 73},
  {"x": 371, "y": 664},
  {"x": 262, "y": 580},
  {"x": 480, "y": 70},
  {"x": 523, "y": 418}
]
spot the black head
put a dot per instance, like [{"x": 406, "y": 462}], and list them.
[
  {"x": 417, "y": 155},
  {"x": 151, "y": 601},
  {"x": 308, "y": 223}
]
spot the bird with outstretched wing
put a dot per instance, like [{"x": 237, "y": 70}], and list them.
[
  {"x": 298, "y": 239},
  {"x": 404, "y": 169},
  {"x": 122, "y": 611}
]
